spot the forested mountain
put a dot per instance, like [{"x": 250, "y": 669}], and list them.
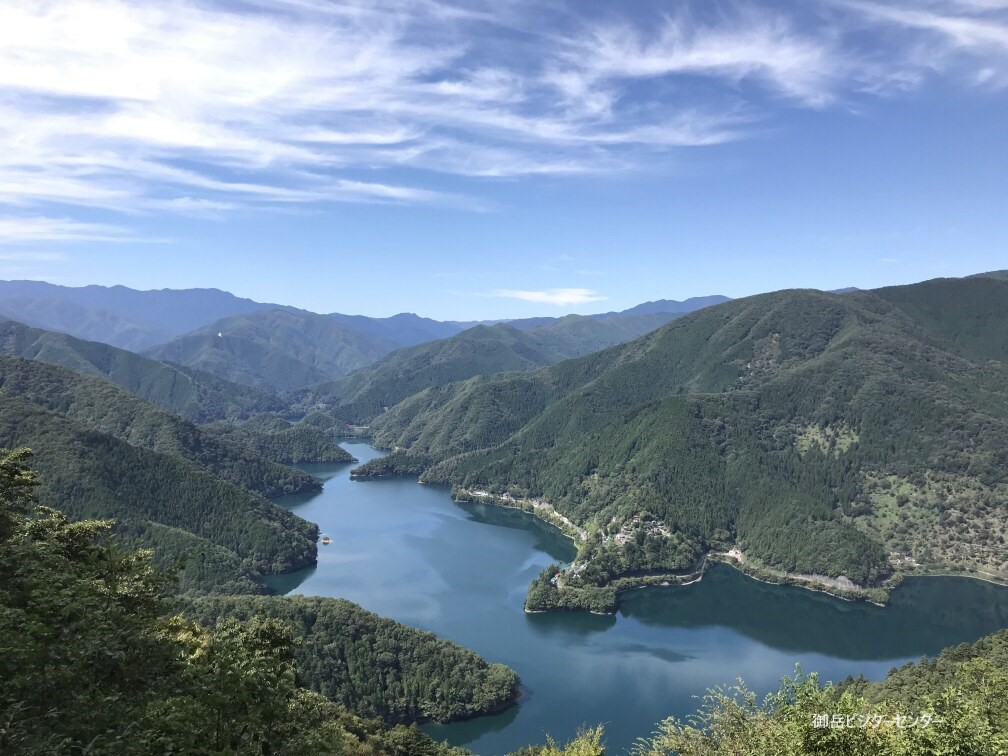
[
  {"x": 402, "y": 330},
  {"x": 103, "y": 407},
  {"x": 670, "y": 306},
  {"x": 117, "y": 315},
  {"x": 226, "y": 536},
  {"x": 152, "y": 320},
  {"x": 481, "y": 350},
  {"x": 195, "y": 395},
  {"x": 96, "y": 661},
  {"x": 371, "y": 665},
  {"x": 276, "y": 350},
  {"x": 277, "y": 440},
  {"x": 477, "y": 351},
  {"x": 823, "y": 434},
  {"x": 1001, "y": 275}
]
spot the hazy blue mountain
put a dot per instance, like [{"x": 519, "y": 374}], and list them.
[
  {"x": 668, "y": 305},
  {"x": 195, "y": 395},
  {"x": 403, "y": 330},
  {"x": 118, "y": 315},
  {"x": 277, "y": 350},
  {"x": 141, "y": 320}
]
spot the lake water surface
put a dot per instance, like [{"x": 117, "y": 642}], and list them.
[{"x": 409, "y": 552}]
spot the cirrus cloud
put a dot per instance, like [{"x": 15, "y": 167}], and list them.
[{"x": 211, "y": 108}]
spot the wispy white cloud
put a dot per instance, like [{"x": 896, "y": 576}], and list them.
[
  {"x": 558, "y": 297},
  {"x": 208, "y": 108},
  {"x": 959, "y": 36},
  {"x": 753, "y": 45},
  {"x": 43, "y": 229},
  {"x": 971, "y": 26}
]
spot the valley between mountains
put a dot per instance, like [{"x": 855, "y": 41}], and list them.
[{"x": 836, "y": 441}]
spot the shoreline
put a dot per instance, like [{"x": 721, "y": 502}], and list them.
[
  {"x": 534, "y": 507},
  {"x": 733, "y": 558}
]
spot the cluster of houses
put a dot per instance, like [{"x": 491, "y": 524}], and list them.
[
  {"x": 651, "y": 527},
  {"x": 639, "y": 522}
]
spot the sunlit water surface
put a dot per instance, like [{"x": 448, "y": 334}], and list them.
[{"x": 407, "y": 551}]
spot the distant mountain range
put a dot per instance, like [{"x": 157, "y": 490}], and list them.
[
  {"x": 820, "y": 433},
  {"x": 829, "y": 438},
  {"x": 270, "y": 347},
  {"x": 668, "y": 305},
  {"x": 481, "y": 350},
  {"x": 195, "y": 395},
  {"x": 116, "y": 315}
]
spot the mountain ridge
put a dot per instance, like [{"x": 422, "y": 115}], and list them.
[{"x": 729, "y": 423}]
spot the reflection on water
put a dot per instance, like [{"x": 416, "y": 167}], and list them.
[
  {"x": 461, "y": 570},
  {"x": 289, "y": 581},
  {"x": 923, "y": 616}
]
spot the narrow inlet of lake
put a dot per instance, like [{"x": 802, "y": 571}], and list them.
[{"x": 408, "y": 552}]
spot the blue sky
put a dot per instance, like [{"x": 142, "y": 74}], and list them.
[{"x": 501, "y": 159}]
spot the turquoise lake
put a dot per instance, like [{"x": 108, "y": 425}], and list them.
[{"x": 408, "y": 552}]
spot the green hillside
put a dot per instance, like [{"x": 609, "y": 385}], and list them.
[
  {"x": 276, "y": 350},
  {"x": 275, "y": 439},
  {"x": 101, "y": 406},
  {"x": 822, "y": 434},
  {"x": 227, "y": 536},
  {"x": 481, "y": 350},
  {"x": 372, "y": 665},
  {"x": 195, "y": 395},
  {"x": 96, "y": 659}
]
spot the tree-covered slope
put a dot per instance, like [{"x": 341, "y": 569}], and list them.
[
  {"x": 372, "y": 665},
  {"x": 277, "y": 440},
  {"x": 277, "y": 350},
  {"x": 95, "y": 660},
  {"x": 104, "y": 407},
  {"x": 226, "y": 535},
  {"x": 195, "y": 395},
  {"x": 481, "y": 350},
  {"x": 970, "y": 314},
  {"x": 823, "y": 434}
]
